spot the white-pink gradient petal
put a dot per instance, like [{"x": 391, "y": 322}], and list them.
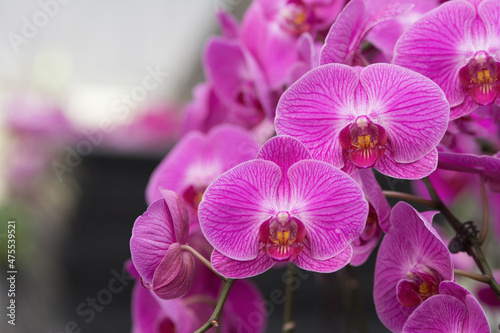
[
  {"x": 345, "y": 34},
  {"x": 236, "y": 269},
  {"x": 200, "y": 158},
  {"x": 410, "y": 107},
  {"x": 317, "y": 107},
  {"x": 489, "y": 12},
  {"x": 171, "y": 173},
  {"x": 236, "y": 204},
  {"x": 415, "y": 170},
  {"x": 330, "y": 205},
  {"x": 230, "y": 145},
  {"x": 475, "y": 320},
  {"x": 284, "y": 151},
  {"x": 438, "y": 314},
  {"x": 353, "y": 23},
  {"x": 305, "y": 261},
  {"x": 225, "y": 65},
  {"x": 438, "y": 45}
]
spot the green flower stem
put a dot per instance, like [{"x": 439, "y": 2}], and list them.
[
  {"x": 213, "y": 321},
  {"x": 203, "y": 260},
  {"x": 473, "y": 276},
  {"x": 486, "y": 213},
  {"x": 409, "y": 197}
]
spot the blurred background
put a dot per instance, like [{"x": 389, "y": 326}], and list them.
[{"x": 91, "y": 94}]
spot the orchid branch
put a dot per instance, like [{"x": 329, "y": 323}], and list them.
[
  {"x": 409, "y": 197},
  {"x": 213, "y": 321},
  {"x": 473, "y": 245},
  {"x": 486, "y": 215},
  {"x": 473, "y": 276},
  {"x": 288, "y": 321},
  {"x": 203, "y": 260}
]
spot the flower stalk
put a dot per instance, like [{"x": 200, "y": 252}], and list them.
[
  {"x": 213, "y": 321},
  {"x": 203, "y": 260}
]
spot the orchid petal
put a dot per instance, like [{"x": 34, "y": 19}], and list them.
[
  {"x": 489, "y": 12},
  {"x": 236, "y": 204},
  {"x": 305, "y": 261},
  {"x": 171, "y": 172},
  {"x": 429, "y": 247},
  {"x": 235, "y": 269},
  {"x": 438, "y": 45},
  {"x": 439, "y": 314},
  {"x": 231, "y": 145},
  {"x": 178, "y": 214},
  {"x": 410, "y": 242},
  {"x": 315, "y": 109},
  {"x": 374, "y": 194},
  {"x": 320, "y": 194},
  {"x": 269, "y": 45},
  {"x": 228, "y": 24},
  {"x": 389, "y": 270},
  {"x": 353, "y": 23},
  {"x": 242, "y": 306},
  {"x": 415, "y": 170},
  {"x": 284, "y": 151},
  {"x": 152, "y": 234},
  {"x": 174, "y": 275},
  {"x": 411, "y": 108}
]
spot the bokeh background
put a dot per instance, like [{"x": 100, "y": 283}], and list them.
[{"x": 91, "y": 95}]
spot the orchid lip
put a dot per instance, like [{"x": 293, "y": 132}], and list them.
[
  {"x": 193, "y": 195},
  {"x": 282, "y": 237},
  {"x": 295, "y": 17},
  {"x": 480, "y": 78},
  {"x": 421, "y": 283},
  {"x": 363, "y": 142}
]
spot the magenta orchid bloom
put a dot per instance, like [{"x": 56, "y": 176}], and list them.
[
  {"x": 384, "y": 35},
  {"x": 379, "y": 212},
  {"x": 379, "y": 116},
  {"x": 270, "y": 30},
  {"x": 457, "y": 46},
  {"x": 205, "y": 111},
  {"x": 156, "y": 247},
  {"x": 487, "y": 166},
  {"x": 282, "y": 207},
  {"x": 151, "y": 314},
  {"x": 411, "y": 263},
  {"x": 343, "y": 43},
  {"x": 453, "y": 310},
  {"x": 197, "y": 160},
  {"x": 238, "y": 82}
]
